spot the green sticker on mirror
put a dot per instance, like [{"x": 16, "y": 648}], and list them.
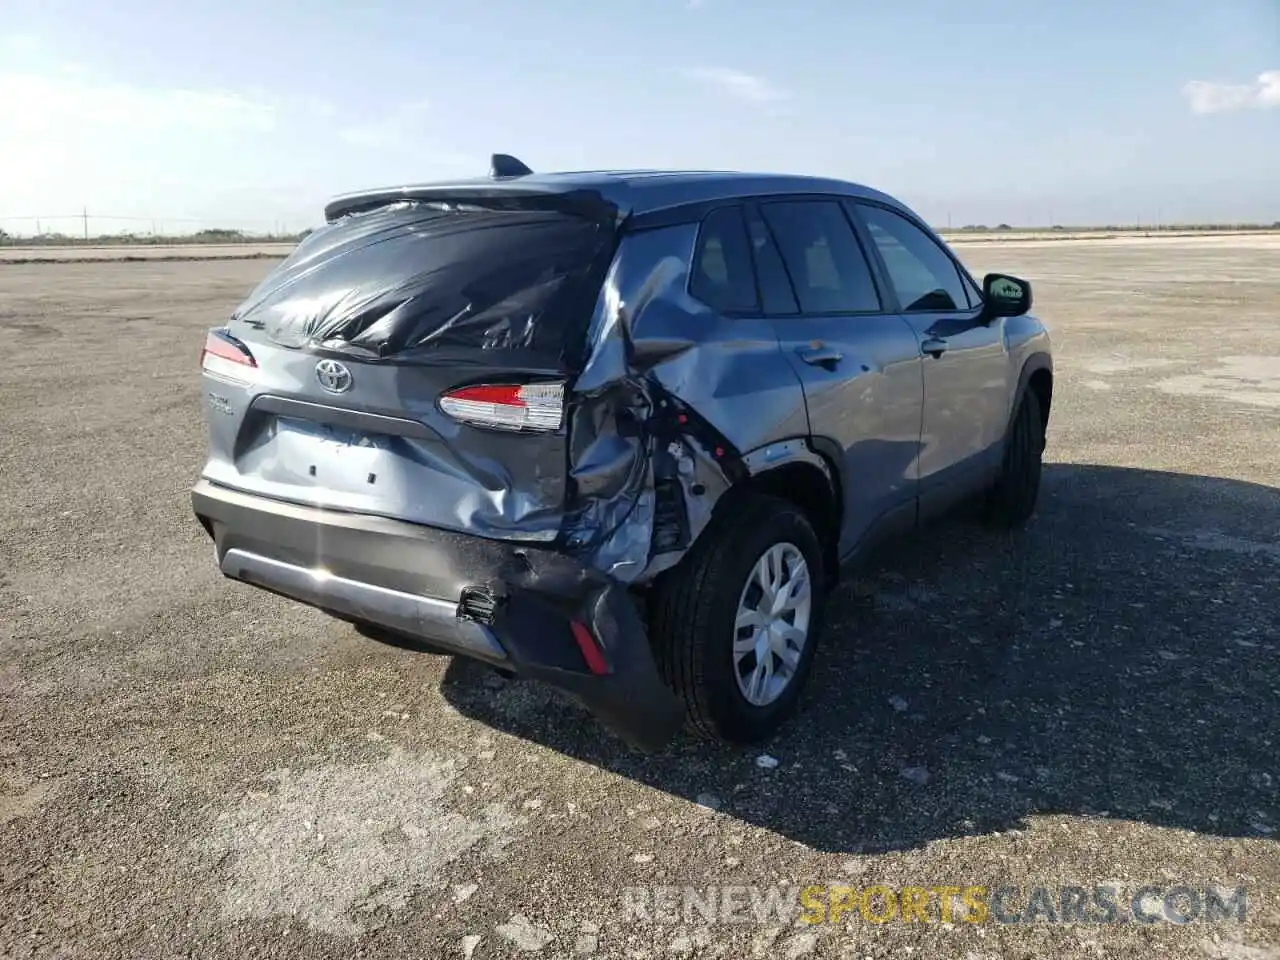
[{"x": 1006, "y": 289}]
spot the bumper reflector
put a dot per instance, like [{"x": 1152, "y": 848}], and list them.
[{"x": 591, "y": 651}]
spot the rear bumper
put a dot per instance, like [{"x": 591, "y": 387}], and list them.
[{"x": 506, "y": 604}]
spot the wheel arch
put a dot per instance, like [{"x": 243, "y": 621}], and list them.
[
  {"x": 803, "y": 473},
  {"x": 1037, "y": 376}
]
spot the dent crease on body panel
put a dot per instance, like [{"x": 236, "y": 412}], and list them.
[
  {"x": 404, "y": 288},
  {"x": 647, "y": 469},
  {"x": 611, "y": 520},
  {"x": 418, "y": 299}
]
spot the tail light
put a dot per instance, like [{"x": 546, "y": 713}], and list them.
[
  {"x": 227, "y": 358},
  {"x": 528, "y": 406}
]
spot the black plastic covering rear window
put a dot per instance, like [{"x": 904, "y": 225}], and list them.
[{"x": 418, "y": 276}]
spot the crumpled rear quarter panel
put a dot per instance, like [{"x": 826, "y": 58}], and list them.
[
  {"x": 665, "y": 395},
  {"x": 671, "y": 397}
]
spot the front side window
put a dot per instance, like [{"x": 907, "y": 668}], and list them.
[
  {"x": 828, "y": 270},
  {"x": 924, "y": 276},
  {"x": 723, "y": 277},
  {"x": 975, "y": 295}
]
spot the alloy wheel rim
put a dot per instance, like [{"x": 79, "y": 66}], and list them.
[{"x": 771, "y": 629}]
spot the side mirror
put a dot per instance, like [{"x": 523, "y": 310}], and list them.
[{"x": 1004, "y": 296}]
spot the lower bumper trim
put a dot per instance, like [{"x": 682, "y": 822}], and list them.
[
  {"x": 412, "y": 579},
  {"x": 427, "y": 617}
]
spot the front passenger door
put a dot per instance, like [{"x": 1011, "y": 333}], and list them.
[{"x": 966, "y": 361}]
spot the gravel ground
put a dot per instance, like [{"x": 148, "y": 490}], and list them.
[
  {"x": 111, "y": 253},
  {"x": 189, "y": 767}
]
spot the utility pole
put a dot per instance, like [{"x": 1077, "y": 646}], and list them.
[{"x": 86, "y": 224}]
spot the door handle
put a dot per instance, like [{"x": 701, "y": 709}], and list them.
[
  {"x": 820, "y": 355},
  {"x": 934, "y": 347}
]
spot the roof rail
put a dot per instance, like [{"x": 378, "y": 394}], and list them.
[{"x": 503, "y": 166}]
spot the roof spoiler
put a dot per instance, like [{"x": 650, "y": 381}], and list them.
[{"x": 502, "y": 190}]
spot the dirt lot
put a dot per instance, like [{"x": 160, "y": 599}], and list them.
[
  {"x": 158, "y": 252},
  {"x": 189, "y": 767}
]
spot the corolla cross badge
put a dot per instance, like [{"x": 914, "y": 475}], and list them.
[{"x": 333, "y": 376}]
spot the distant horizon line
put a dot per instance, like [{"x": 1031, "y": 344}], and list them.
[{"x": 280, "y": 234}]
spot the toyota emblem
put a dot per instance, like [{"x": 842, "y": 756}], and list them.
[{"x": 333, "y": 376}]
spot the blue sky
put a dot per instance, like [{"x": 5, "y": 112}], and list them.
[{"x": 253, "y": 112}]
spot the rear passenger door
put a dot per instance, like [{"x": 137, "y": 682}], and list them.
[
  {"x": 858, "y": 361},
  {"x": 966, "y": 363}
]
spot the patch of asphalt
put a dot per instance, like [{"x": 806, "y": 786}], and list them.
[
  {"x": 368, "y": 836},
  {"x": 140, "y": 253},
  {"x": 1093, "y": 701},
  {"x": 37, "y": 260},
  {"x": 1253, "y": 380}
]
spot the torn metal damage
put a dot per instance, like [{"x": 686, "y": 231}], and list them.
[
  {"x": 432, "y": 306},
  {"x": 425, "y": 295},
  {"x": 485, "y": 413},
  {"x": 650, "y": 467}
]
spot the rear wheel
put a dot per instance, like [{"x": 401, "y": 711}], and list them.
[
  {"x": 735, "y": 626},
  {"x": 1012, "y": 499}
]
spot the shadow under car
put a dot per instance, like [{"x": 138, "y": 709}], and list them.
[{"x": 1117, "y": 658}]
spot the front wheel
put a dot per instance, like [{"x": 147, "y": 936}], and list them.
[
  {"x": 734, "y": 627},
  {"x": 1013, "y": 497}
]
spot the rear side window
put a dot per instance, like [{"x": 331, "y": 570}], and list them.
[
  {"x": 723, "y": 277},
  {"x": 823, "y": 257},
  {"x": 922, "y": 273}
]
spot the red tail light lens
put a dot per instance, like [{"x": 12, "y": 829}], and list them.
[
  {"x": 511, "y": 406},
  {"x": 225, "y": 357}
]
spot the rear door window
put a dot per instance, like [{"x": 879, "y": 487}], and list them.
[
  {"x": 923, "y": 274},
  {"x": 823, "y": 257},
  {"x": 722, "y": 276},
  {"x": 776, "y": 295}
]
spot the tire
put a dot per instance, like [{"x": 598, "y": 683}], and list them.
[
  {"x": 694, "y": 607},
  {"x": 1012, "y": 499}
]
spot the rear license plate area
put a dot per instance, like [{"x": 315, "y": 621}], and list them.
[{"x": 333, "y": 458}]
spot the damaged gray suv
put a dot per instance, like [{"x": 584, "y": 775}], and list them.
[{"x": 614, "y": 431}]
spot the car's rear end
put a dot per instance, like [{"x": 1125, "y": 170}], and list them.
[{"x": 389, "y": 416}]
